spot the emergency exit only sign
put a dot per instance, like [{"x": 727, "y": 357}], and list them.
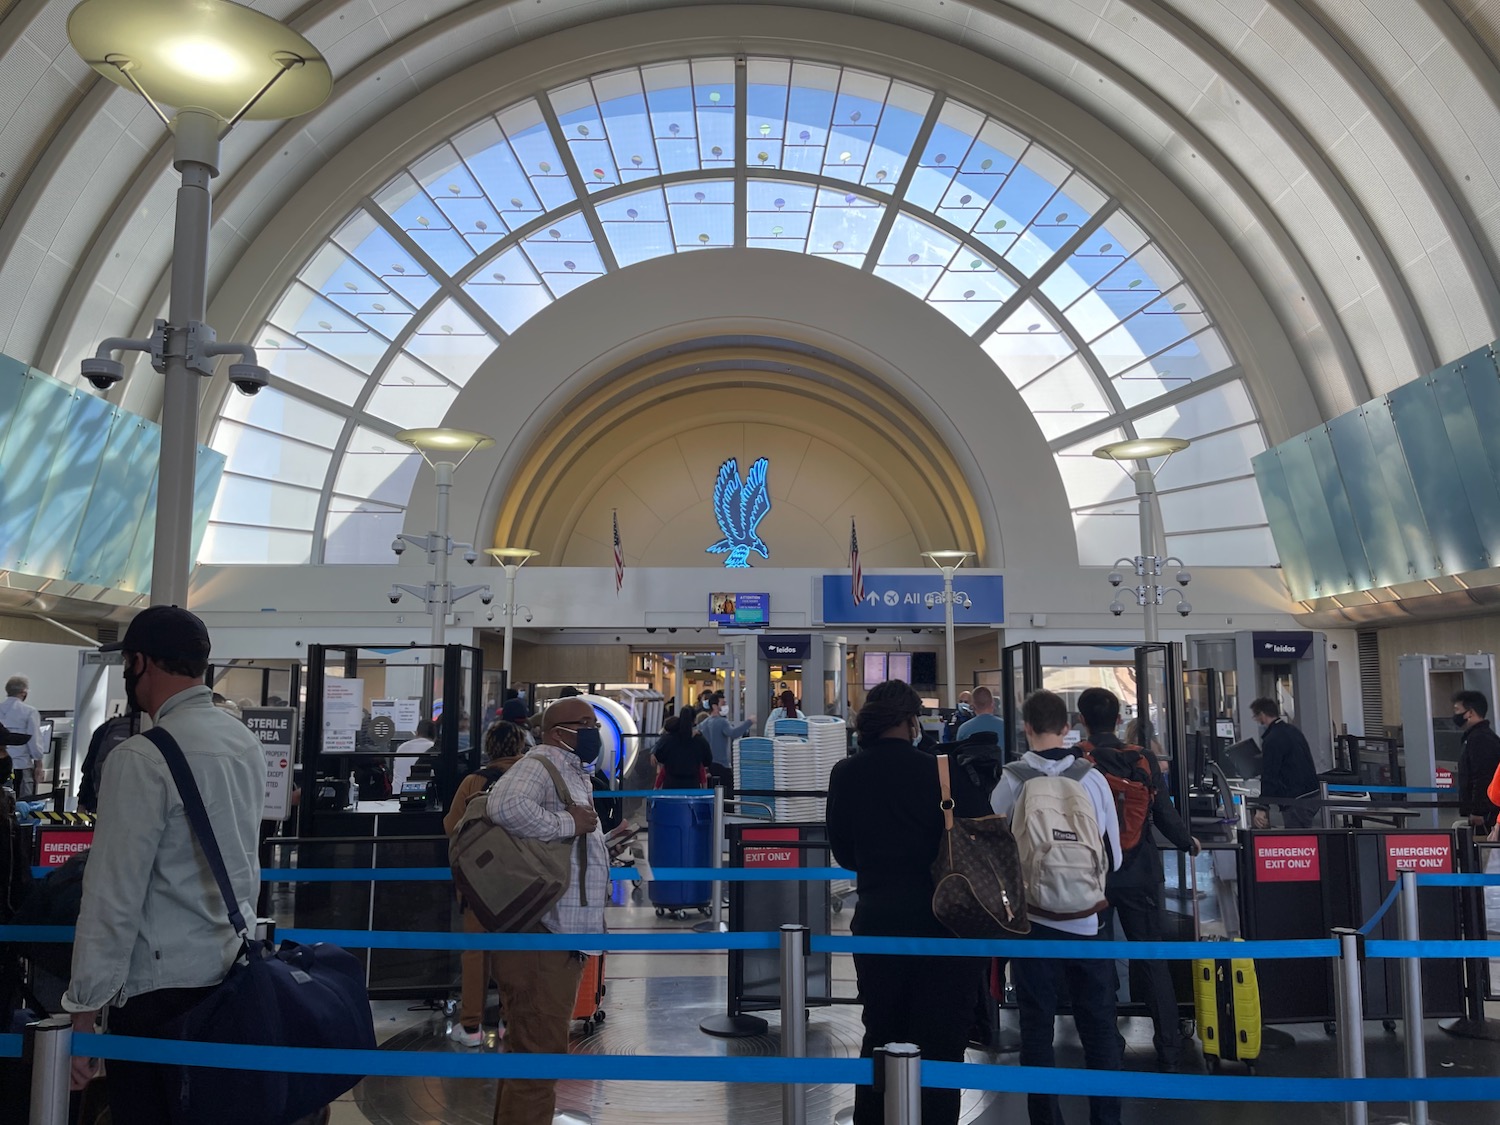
[
  {"x": 1428, "y": 854},
  {"x": 1287, "y": 859}
]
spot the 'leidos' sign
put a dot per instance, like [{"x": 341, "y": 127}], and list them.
[
  {"x": 796, "y": 647},
  {"x": 1281, "y": 646}
]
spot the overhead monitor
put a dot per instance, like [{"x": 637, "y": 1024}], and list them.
[{"x": 739, "y": 609}]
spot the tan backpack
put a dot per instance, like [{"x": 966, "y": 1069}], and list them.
[{"x": 510, "y": 882}]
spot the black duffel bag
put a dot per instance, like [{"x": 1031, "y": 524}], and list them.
[{"x": 292, "y": 996}]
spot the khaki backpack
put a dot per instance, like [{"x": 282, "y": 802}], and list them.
[{"x": 510, "y": 882}]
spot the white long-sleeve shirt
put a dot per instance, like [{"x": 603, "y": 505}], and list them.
[
  {"x": 524, "y": 802},
  {"x": 1003, "y": 801}
]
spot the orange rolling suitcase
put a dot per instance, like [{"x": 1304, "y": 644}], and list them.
[{"x": 589, "y": 1007}]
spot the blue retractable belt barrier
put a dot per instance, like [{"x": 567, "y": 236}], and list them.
[
  {"x": 671, "y": 794},
  {"x": 1088, "y": 949},
  {"x": 1200, "y": 1087},
  {"x": 709, "y": 1068},
  {"x": 732, "y": 874},
  {"x": 1386, "y": 789},
  {"x": 1390, "y": 901},
  {"x": 1458, "y": 880},
  {"x": 617, "y": 874},
  {"x": 429, "y": 1064},
  {"x": 10, "y": 1046},
  {"x": 42, "y": 935},
  {"x": 622, "y": 943}
]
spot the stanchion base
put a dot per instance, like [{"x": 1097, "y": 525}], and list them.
[
  {"x": 1466, "y": 1028},
  {"x": 709, "y": 926},
  {"x": 844, "y": 1116},
  {"x": 571, "y": 1117},
  {"x": 733, "y": 1027},
  {"x": 1274, "y": 1039}
]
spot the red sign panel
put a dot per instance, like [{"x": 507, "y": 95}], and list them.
[
  {"x": 1287, "y": 859},
  {"x": 58, "y": 845},
  {"x": 1444, "y": 778},
  {"x": 1427, "y": 854},
  {"x": 772, "y": 857}
]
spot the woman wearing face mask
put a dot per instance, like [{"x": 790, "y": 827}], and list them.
[{"x": 885, "y": 824}]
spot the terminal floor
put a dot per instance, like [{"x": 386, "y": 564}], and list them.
[{"x": 655, "y": 1002}]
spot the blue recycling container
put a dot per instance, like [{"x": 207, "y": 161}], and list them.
[{"x": 680, "y": 834}]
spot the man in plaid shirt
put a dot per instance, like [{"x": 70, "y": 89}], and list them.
[{"x": 538, "y": 987}]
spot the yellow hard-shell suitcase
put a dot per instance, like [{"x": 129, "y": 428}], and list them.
[{"x": 1226, "y": 1002}]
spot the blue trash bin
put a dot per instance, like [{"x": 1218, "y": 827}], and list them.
[{"x": 680, "y": 835}]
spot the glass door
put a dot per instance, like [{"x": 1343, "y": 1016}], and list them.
[{"x": 1020, "y": 674}]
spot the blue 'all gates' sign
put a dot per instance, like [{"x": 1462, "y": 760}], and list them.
[{"x": 914, "y": 599}]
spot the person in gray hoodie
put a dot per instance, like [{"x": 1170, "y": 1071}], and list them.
[{"x": 721, "y": 733}]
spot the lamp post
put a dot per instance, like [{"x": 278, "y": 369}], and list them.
[
  {"x": 215, "y": 63},
  {"x": 512, "y": 559},
  {"x": 1148, "y": 565},
  {"x": 439, "y": 448},
  {"x": 948, "y": 562}
]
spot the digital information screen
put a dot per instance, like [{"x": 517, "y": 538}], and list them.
[{"x": 739, "y": 609}]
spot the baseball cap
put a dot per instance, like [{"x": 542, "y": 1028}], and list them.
[
  {"x": 163, "y": 631},
  {"x": 514, "y": 711}
]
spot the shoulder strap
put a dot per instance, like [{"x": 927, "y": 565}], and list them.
[
  {"x": 1022, "y": 772},
  {"x": 1078, "y": 769},
  {"x": 583, "y": 841},
  {"x": 946, "y": 804},
  {"x": 192, "y": 804}
]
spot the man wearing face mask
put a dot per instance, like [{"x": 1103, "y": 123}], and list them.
[
  {"x": 1477, "y": 761},
  {"x": 538, "y": 987},
  {"x": 1288, "y": 777}
]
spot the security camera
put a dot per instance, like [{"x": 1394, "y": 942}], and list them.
[
  {"x": 471, "y": 556},
  {"x": 1116, "y": 608},
  {"x": 1184, "y": 608},
  {"x": 671, "y": 628},
  {"x": 486, "y": 595},
  {"x": 102, "y": 372},
  {"x": 650, "y": 628},
  {"x": 528, "y": 617},
  {"x": 398, "y": 545},
  {"x": 248, "y": 378},
  {"x": 1115, "y": 578},
  {"x": 1183, "y": 578},
  {"x": 394, "y": 595}
]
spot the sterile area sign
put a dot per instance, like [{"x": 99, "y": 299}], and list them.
[
  {"x": 1287, "y": 859},
  {"x": 1431, "y": 855},
  {"x": 276, "y": 727}
]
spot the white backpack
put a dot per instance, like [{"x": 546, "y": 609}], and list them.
[{"x": 1063, "y": 858}]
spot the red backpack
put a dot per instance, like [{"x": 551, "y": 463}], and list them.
[{"x": 1133, "y": 797}]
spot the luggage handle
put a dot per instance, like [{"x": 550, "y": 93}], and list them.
[{"x": 946, "y": 804}]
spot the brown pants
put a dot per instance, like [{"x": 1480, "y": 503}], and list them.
[
  {"x": 478, "y": 971},
  {"x": 538, "y": 989}
]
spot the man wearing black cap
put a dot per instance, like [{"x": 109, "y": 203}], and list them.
[{"x": 153, "y": 936}]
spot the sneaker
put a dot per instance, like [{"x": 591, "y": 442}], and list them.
[{"x": 464, "y": 1037}]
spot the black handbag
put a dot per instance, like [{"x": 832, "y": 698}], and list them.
[
  {"x": 292, "y": 996},
  {"x": 977, "y": 887}
]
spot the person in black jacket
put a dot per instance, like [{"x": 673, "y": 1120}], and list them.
[
  {"x": 1288, "y": 778},
  {"x": 885, "y": 824},
  {"x": 1135, "y": 890},
  {"x": 683, "y": 754},
  {"x": 1477, "y": 761}
]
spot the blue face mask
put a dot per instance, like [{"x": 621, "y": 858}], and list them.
[{"x": 587, "y": 744}]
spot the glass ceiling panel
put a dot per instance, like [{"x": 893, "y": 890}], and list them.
[
  {"x": 1212, "y": 458},
  {"x": 1233, "y": 503},
  {"x": 255, "y": 546},
  {"x": 1090, "y": 480},
  {"x": 266, "y": 503},
  {"x": 450, "y": 342},
  {"x": 1027, "y": 344},
  {"x": 372, "y": 245},
  {"x": 850, "y": 136},
  {"x": 509, "y": 289},
  {"x": 317, "y": 321},
  {"x": 1246, "y": 546}
]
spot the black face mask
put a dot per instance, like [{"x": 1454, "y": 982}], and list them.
[
  {"x": 1461, "y": 721},
  {"x": 587, "y": 743},
  {"x": 132, "y": 701}
]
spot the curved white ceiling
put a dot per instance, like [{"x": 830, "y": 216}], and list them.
[{"x": 1345, "y": 150}]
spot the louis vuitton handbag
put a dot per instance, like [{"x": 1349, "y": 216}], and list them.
[{"x": 978, "y": 891}]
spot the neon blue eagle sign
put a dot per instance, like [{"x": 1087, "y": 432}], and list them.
[{"x": 739, "y": 506}]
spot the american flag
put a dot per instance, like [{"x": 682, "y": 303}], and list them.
[
  {"x": 619, "y": 555},
  {"x": 856, "y": 575}
]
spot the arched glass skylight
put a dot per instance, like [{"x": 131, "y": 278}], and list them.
[{"x": 1070, "y": 298}]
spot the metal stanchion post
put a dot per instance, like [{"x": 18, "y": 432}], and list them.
[
  {"x": 714, "y": 923},
  {"x": 1411, "y": 987},
  {"x": 794, "y": 941},
  {"x": 51, "y": 1063},
  {"x": 1349, "y": 995},
  {"x": 1325, "y": 814},
  {"x": 901, "y": 1067}
]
